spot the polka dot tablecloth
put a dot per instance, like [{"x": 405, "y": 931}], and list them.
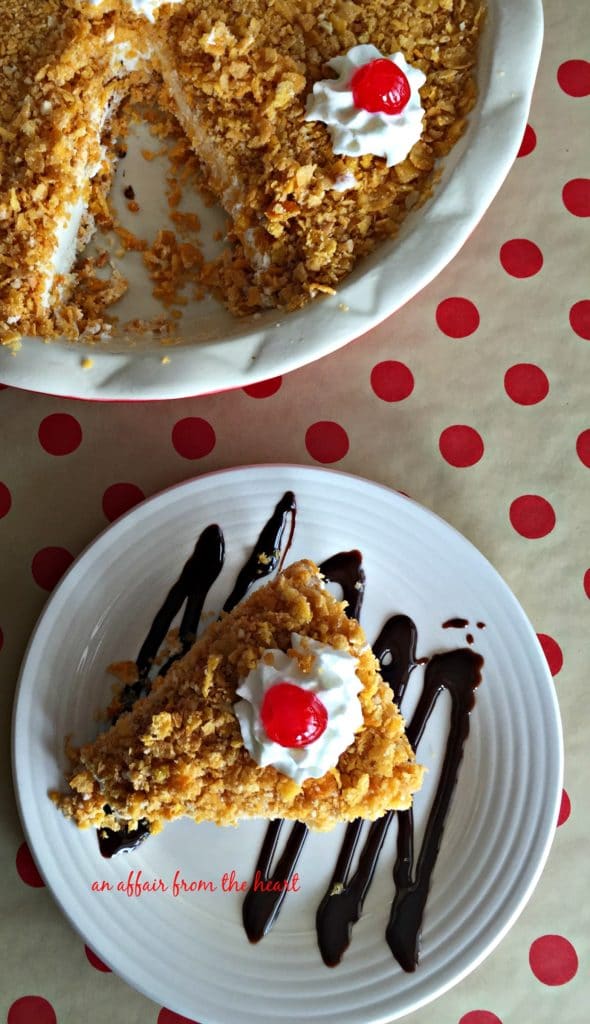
[{"x": 475, "y": 400}]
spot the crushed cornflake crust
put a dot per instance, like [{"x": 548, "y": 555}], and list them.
[
  {"x": 236, "y": 74},
  {"x": 179, "y": 751}
]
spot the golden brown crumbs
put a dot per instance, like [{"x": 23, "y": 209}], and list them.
[
  {"x": 171, "y": 266},
  {"x": 187, "y": 223},
  {"x": 130, "y": 241},
  {"x": 125, "y": 671}
]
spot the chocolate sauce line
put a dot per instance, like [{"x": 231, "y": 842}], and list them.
[
  {"x": 346, "y": 569},
  {"x": 194, "y": 583},
  {"x": 260, "y": 909},
  {"x": 395, "y": 650},
  {"x": 459, "y": 672},
  {"x": 342, "y": 904},
  {"x": 267, "y": 553}
]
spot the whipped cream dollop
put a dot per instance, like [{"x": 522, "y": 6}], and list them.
[
  {"x": 147, "y": 8},
  {"x": 332, "y": 678},
  {"x": 359, "y": 132}
]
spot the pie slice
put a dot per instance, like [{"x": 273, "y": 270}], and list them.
[{"x": 180, "y": 750}]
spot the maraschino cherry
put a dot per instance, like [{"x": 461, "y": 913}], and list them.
[
  {"x": 291, "y": 716},
  {"x": 380, "y": 87}
]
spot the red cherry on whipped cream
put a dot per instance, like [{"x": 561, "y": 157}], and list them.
[
  {"x": 291, "y": 716},
  {"x": 380, "y": 87}
]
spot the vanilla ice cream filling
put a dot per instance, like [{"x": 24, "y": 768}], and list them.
[
  {"x": 147, "y": 8},
  {"x": 74, "y": 229}
]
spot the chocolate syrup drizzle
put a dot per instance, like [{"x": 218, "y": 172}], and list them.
[
  {"x": 346, "y": 569},
  {"x": 342, "y": 904},
  {"x": 260, "y": 909},
  {"x": 194, "y": 583},
  {"x": 457, "y": 671},
  {"x": 266, "y": 554},
  {"x": 456, "y": 623}
]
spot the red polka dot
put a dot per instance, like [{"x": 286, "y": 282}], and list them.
[
  {"x": 574, "y": 77},
  {"x": 576, "y": 197},
  {"x": 580, "y": 318},
  {"x": 265, "y": 388},
  {"x": 326, "y": 441},
  {"x": 532, "y": 516},
  {"x": 553, "y": 960},
  {"x": 529, "y": 141},
  {"x": 461, "y": 446},
  {"x": 521, "y": 258},
  {"x": 480, "y": 1017},
  {"x": 31, "y": 1010},
  {"x": 193, "y": 437},
  {"x": 564, "y": 809},
  {"x": 5, "y": 500},
  {"x": 119, "y": 498},
  {"x": 392, "y": 381},
  {"x": 457, "y": 317},
  {"x": 526, "y": 384},
  {"x": 95, "y": 961},
  {"x": 552, "y": 652},
  {"x": 170, "y": 1017},
  {"x": 60, "y": 434},
  {"x": 49, "y": 565},
  {"x": 587, "y": 582},
  {"x": 27, "y": 869},
  {"x": 583, "y": 447}
]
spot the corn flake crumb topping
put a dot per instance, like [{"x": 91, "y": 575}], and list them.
[{"x": 244, "y": 69}]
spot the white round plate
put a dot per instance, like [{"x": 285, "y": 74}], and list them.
[
  {"x": 219, "y": 351},
  {"x": 189, "y": 952}
]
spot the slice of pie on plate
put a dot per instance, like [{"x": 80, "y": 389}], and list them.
[{"x": 277, "y": 711}]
